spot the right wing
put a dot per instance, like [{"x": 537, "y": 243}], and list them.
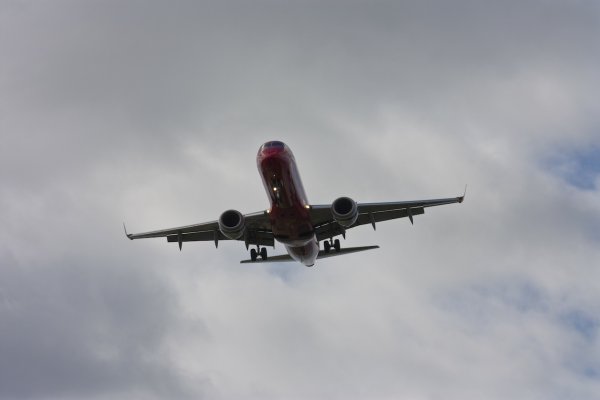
[
  {"x": 258, "y": 232},
  {"x": 369, "y": 213}
]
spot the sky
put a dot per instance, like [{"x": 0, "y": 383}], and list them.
[{"x": 152, "y": 113}]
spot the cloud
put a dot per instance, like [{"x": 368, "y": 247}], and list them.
[
  {"x": 153, "y": 113},
  {"x": 79, "y": 327}
]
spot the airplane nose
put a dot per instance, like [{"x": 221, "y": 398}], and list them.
[{"x": 271, "y": 148}]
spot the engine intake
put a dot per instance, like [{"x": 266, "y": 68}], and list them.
[
  {"x": 232, "y": 224},
  {"x": 345, "y": 211}
]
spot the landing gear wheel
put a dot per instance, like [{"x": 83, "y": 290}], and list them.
[
  {"x": 263, "y": 253},
  {"x": 326, "y": 246},
  {"x": 253, "y": 254},
  {"x": 336, "y": 245}
]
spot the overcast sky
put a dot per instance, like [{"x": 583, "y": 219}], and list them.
[{"x": 152, "y": 113}]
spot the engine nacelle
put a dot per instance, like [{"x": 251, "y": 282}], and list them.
[
  {"x": 345, "y": 211},
  {"x": 232, "y": 224}
]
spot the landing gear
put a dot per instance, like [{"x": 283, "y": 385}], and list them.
[
  {"x": 262, "y": 252},
  {"x": 328, "y": 244}
]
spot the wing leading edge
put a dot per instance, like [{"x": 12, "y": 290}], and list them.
[
  {"x": 258, "y": 232},
  {"x": 258, "y": 227},
  {"x": 371, "y": 213}
]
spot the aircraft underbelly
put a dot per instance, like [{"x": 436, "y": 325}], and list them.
[
  {"x": 306, "y": 254},
  {"x": 289, "y": 214},
  {"x": 298, "y": 236}
]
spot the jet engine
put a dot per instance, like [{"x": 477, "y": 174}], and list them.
[
  {"x": 232, "y": 224},
  {"x": 345, "y": 211}
]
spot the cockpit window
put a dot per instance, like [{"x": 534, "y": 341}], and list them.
[{"x": 274, "y": 143}]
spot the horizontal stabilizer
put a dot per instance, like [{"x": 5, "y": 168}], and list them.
[
  {"x": 322, "y": 254},
  {"x": 280, "y": 258}
]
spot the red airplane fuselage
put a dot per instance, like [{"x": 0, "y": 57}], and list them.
[{"x": 289, "y": 216}]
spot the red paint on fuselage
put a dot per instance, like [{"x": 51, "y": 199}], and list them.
[{"x": 289, "y": 214}]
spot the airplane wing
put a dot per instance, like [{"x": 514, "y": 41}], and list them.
[
  {"x": 258, "y": 232},
  {"x": 370, "y": 213}
]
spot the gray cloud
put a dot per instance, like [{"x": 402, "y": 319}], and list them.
[
  {"x": 152, "y": 113},
  {"x": 80, "y": 327}
]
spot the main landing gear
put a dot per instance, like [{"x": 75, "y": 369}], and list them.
[
  {"x": 254, "y": 253},
  {"x": 328, "y": 244}
]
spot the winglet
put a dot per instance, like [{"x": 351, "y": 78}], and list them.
[
  {"x": 462, "y": 198},
  {"x": 127, "y": 234}
]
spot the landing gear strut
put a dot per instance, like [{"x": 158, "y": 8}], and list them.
[
  {"x": 254, "y": 253},
  {"x": 328, "y": 244}
]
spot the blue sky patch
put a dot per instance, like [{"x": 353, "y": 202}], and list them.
[
  {"x": 579, "y": 168},
  {"x": 591, "y": 373},
  {"x": 584, "y": 324}
]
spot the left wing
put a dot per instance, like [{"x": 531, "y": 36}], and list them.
[
  {"x": 258, "y": 232},
  {"x": 371, "y": 213}
]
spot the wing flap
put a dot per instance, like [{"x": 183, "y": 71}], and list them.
[
  {"x": 395, "y": 205},
  {"x": 332, "y": 228},
  {"x": 254, "y": 238},
  {"x": 207, "y": 226},
  {"x": 371, "y": 213},
  {"x": 381, "y": 216},
  {"x": 197, "y": 236}
]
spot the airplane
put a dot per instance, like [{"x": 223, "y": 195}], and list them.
[{"x": 291, "y": 219}]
